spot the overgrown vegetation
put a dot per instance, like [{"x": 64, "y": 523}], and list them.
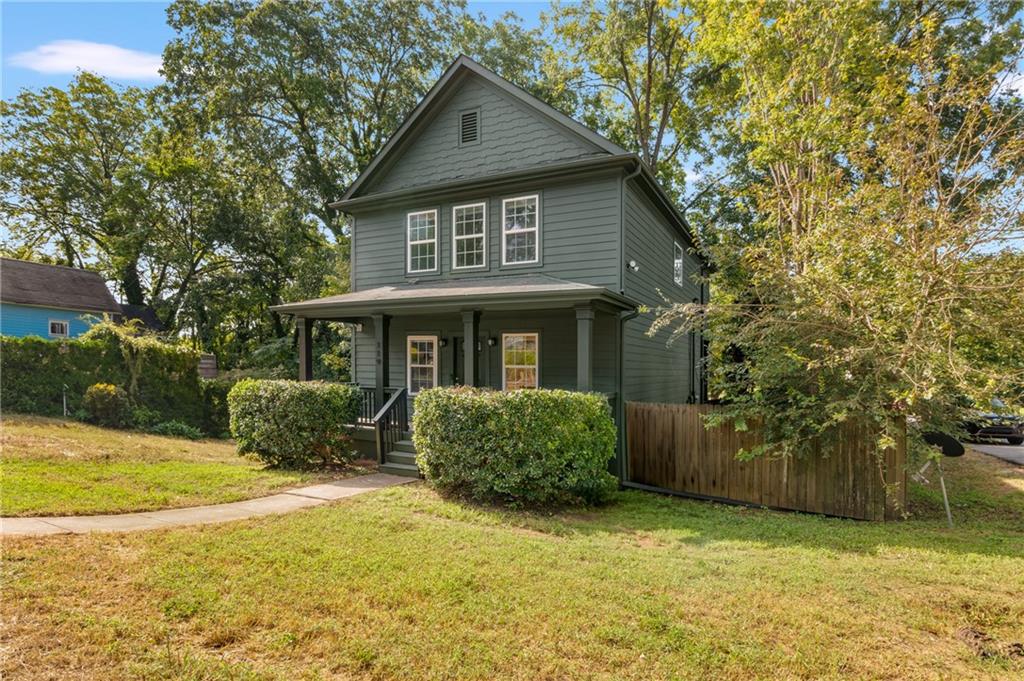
[
  {"x": 866, "y": 246},
  {"x": 532, "y": 447},
  {"x": 294, "y": 423},
  {"x": 59, "y": 467},
  {"x": 158, "y": 376}
]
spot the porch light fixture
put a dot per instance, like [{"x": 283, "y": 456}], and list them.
[
  {"x": 633, "y": 266},
  {"x": 444, "y": 342},
  {"x": 491, "y": 342}
]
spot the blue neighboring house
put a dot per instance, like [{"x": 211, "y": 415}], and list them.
[{"x": 51, "y": 301}]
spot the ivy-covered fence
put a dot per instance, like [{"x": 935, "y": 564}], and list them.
[{"x": 159, "y": 376}]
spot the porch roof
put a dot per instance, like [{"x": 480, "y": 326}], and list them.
[{"x": 513, "y": 292}]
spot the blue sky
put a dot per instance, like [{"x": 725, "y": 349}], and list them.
[{"x": 44, "y": 42}]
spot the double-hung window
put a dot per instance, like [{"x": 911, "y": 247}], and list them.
[
  {"x": 58, "y": 328},
  {"x": 469, "y": 236},
  {"x": 421, "y": 233},
  {"x": 421, "y": 363},
  {"x": 520, "y": 230},
  {"x": 520, "y": 355},
  {"x": 677, "y": 263}
]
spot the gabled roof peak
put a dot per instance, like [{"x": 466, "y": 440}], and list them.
[{"x": 458, "y": 69}]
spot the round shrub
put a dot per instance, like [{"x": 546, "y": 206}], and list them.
[
  {"x": 531, "y": 447},
  {"x": 107, "y": 405},
  {"x": 294, "y": 423}
]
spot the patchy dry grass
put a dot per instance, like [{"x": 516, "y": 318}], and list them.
[
  {"x": 55, "y": 467},
  {"x": 403, "y": 584}
]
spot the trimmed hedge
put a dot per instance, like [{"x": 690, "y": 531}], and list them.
[
  {"x": 294, "y": 423},
  {"x": 532, "y": 447},
  {"x": 162, "y": 377}
]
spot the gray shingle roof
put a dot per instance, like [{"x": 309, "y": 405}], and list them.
[
  {"x": 69, "y": 288},
  {"x": 508, "y": 290}
]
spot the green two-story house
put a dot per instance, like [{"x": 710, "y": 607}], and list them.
[{"x": 497, "y": 242}]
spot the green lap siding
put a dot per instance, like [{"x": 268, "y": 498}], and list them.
[
  {"x": 512, "y": 137},
  {"x": 655, "y": 371},
  {"x": 579, "y": 234}
]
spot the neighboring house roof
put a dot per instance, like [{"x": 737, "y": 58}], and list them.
[
  {"x": 143, "y": 313},
  {"x": 508, "y": 292},
  {"x": 68, "y": 288},
  {"x": 462, "y": 66}
]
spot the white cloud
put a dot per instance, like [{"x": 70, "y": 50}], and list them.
[{"x": 69, "y": 56}]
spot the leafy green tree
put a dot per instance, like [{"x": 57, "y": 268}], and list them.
[
  {"x": 885, "y": 165},
  {"x": 635, "y": 64},
  {"x": 69, "y": 175}
]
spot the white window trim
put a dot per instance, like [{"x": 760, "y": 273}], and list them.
[
  {"x": 680, "y": 276},
  {"x": 455, "y": 239},
  {"x": 504, "y": 367},
  {"x": 535, "y": 230},
  {"x": 409, "y": 243},
  {"x": 67, "y": 328},
  {"x": 408, "y": 360}
]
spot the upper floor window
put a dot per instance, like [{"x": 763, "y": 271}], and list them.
[
  {"x": 520, "y": 220},
  {"x": 677, "y": 264},
  {"x": 422, "y": 238},
  {"x": 58, "y": 328},
  {"x": 469, "y": 236}
]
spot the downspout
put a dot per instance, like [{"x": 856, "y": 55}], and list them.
[
  {"x": 620, "y": 403},
  {"x": 692, "y": 397}
]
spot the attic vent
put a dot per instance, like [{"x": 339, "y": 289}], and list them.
[{"x": 469, "y": 127}]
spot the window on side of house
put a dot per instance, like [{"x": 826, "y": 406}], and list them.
[
  {"x": 59, "y": 328},
  {"x": 677, "y": 263},
  {"x": 421, "y": 234},
  {"x": 520, "y": 365},
  {"x": 421, "y": 363},
  {"x": 520, "y": 231},
  {"x": 469, "y": 236}
]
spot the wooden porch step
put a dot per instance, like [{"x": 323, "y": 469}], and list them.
[
  {"x": 404, "y": 469},
  {"x": 405, "y": 446},
  {"x": 398, "y": 456}
]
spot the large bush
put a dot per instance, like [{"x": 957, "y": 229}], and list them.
[
  {"x": 535, "y": 447},
  {"x": 159, "y": 376},
  {"x": 294, "y": 423},
  {"x": 107, "y": 405}
]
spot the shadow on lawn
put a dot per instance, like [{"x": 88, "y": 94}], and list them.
[{"x": 983, "y": 524}]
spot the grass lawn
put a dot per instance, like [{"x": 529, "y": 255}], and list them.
[
  {"x": 55, "y": 467},
  {"x": 403, "y": 584}
]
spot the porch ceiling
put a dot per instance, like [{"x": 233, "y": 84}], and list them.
[{"x": 514, "y": 292}]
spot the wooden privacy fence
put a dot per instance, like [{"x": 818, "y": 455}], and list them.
[{"x": 668, "y": 448}]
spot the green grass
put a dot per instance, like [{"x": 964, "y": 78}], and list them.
[
  {"x": 55, "y": 467},
  {"x": 403, "y": 584}
]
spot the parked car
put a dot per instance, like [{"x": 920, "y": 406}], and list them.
[{"x": 998, "y": 423}]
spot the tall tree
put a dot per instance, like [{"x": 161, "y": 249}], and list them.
[
  {"x": 635, "y": 63},
  {"x": 885, "y": 164},
  {"x": 312, "y": 90},
  {"x": 69, "y": 171}
]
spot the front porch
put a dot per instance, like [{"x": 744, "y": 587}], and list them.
[{"x": 511, "y": 332}]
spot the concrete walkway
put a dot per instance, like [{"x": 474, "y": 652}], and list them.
[{"x": 303, "y": 497}]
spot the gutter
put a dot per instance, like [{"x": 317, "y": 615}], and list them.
[{"x": 533, "y": 173}]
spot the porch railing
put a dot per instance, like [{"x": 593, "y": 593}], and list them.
[
  {"x": 369, "y": 407},
  {"x": 391, "y": 422}
]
